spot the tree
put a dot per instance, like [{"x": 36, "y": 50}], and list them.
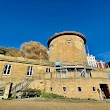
[
  {"x": 3, "y": 50},
  {"x": 34, "y": 50},
  {"x": 13, "y": 52}
]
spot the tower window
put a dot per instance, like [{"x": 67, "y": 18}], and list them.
[
  {"x": 7, "y": 69},
  {"x": 51, "y": 89},
  {"x": 79, "y": 89},
  {"x": 51, "y": 46},
  {"x": 64, "y": 89},
  {"x": 68, "y": 41}
]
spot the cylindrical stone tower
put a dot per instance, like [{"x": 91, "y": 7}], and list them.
[{"x": 67, "y": 47}]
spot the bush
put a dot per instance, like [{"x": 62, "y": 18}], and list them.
[
  {"x": 31, "y": 93},
  {"x": 37, "y": 93},
  {"x": 51, "y": 95}
]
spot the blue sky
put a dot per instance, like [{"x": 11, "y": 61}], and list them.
[{"x": 37, "y": 20}]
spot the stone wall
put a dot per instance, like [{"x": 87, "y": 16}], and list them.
[
  {"x": 18, "y": 71},
  {"x": 44, "y": 80},
  {"x": 67, "y": 48},
  {"x": 72, "y": 87}
]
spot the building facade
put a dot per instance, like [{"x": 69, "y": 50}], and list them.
[
  {"x": 67, "y": 47},
  {"x": 91, "y": 61},
  {"x": 101, "y": 64},
  {"x": 66, "y": 73}
]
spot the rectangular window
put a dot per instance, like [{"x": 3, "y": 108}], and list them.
[
  {"x": 51, "y": 89},
  {"x": 51, "y": 46},
  {"x": 64, "y": 89},
  {"x": 79, "y": 89},
  {"x": 94, "y": 89},
  {"x": 7, "y": 69},
  {"x": 29, "y": 71},
  {"x": 68, "y": 41},
  {"x": 47, "y": 69}
]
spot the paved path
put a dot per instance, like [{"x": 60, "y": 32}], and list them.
[{"x": 53, "y": 105}]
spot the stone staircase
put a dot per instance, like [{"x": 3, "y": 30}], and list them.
[
  {"x": 2, "y": 90},
  {"x": 20, "y": 87}
]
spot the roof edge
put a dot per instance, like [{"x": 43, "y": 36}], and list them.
[{"x": 66, "y": 33}]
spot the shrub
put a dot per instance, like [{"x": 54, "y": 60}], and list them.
[
  {"x": 36, "y": 92},
  {"x": 51, "y": 95},
  {"x": 31, "y": 93}
]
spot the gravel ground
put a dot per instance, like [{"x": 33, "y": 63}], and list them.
[{"x": 45, "y": 104}]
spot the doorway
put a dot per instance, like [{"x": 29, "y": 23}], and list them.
[{"x": 105, "y": 90}]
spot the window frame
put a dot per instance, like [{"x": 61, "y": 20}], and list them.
[
  {"x": 79, "y": 89},
  {"x": 7, "y": 69},
  {"x": 29, "y": 70},
  {"x": 47, "y": 70},
  {"x": 51, "y": 46},
  {"x": 51, "y": 89},
  {"x": 69, "y": 42},
  {"x": 94, "y": 89},
  {"x": 64, "y": 89}
]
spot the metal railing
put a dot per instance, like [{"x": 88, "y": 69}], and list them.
[{"x": 20, "y": 86}]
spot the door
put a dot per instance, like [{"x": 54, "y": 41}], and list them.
[{"x": 105, "y": 90}]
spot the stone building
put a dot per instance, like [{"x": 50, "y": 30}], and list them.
[
  {"x": 67, "y": 47},
  {"x": 92, "y": 62},
  {"x": 101, "y": 64},
  {"x": 66, "y": 73}
]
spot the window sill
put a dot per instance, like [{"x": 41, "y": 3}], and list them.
[
  {"x": 64, "y": 92},
  {"x": 80, "y": 91},
  {"x": 5, "y": 74},
  {"x": 29, "y": 75}
]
